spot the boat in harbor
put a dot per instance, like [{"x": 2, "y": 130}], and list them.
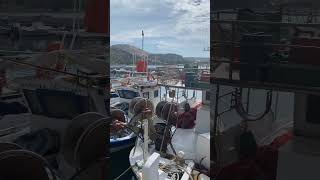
[
  {"x": 59, "y": 106},
  {"x": 156, "y": 103},
  {"x": 190, "y": 147}
]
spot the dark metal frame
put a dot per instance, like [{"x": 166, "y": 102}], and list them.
[
  {"x": 255, "y": 84},
  {"x": 239, "y": 84}
]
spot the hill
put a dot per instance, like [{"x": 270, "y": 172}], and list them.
[
  {"x": 123, "y": 54},
  {"x": 197, "y": 59}
]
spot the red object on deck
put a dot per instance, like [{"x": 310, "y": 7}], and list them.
[
  {"x": 235, "y": 57},
  {"x": 142, "y": 66},
  {"x": 60, "y": 66},
  {"x": 197, "y": 105},
  {"x": 236, "y": 54},
  {"x": 305, "y": 55},
  {"x": 54, "y": 46},
  {"x": 97, "y": 16},
  {"x": 186, "y": 120},
  {"x": 264, "y": 164}
]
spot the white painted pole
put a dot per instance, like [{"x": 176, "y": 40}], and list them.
[{"x": 146, "y": 140}]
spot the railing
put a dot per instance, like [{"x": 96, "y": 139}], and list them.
[
  {"x": 229, "y": 67},
  {"x": 231, "y": 77},
  {"x": 189, "y": 78}
]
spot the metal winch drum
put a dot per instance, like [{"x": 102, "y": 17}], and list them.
[
  {"x": 160, "y": 130},
  {"x": 85, "y": 139},
  {"x": 117, "y": 114},
  {"x": 167, "y": 111},
  {"x": 138, "y": 105},
  {"x": 159, "y": 108},
  {"x": 133, "y": 103},
  {"x": 16, "y": 163}
]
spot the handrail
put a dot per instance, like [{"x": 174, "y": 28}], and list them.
[
  {"x": 273, "y": 23},
  {"x": 285, "y": 12},
  {"x": 266, "y": 85},
  {"x": 230, "y": 43}
]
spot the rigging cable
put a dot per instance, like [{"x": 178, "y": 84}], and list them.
[
  {"x": 49, "y": 69},
  {"x": 166, "y": 129},
  {"x": 124, "y": 172}
]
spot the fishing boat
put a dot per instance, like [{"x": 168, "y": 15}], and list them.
[
  {"x": 44, "y": 29},
  {"x": 190, "y": 147},
  {"x": 58, "y": 106},
  {"x": 120, "y": 140},
  {"x": 125, "y": 95}
]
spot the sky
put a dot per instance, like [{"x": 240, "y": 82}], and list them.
[{"x": 170, "y": 26}]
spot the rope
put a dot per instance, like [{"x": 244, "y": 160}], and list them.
[
  {"x": 48, "y": 69},
  {"x": 136, "y": 133},
  {"x": 124, "y": 172},
  {"x": 166, "y": 129},
  {"x": 190, "y": 176},
  {"x": 74, "y": 23}
]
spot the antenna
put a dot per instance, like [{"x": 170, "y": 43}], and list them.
[{"x": 142, "y": 39}]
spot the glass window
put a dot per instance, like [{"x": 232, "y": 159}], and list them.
[
  {"x": 208, "y": 95},
  {"x": 128, "y": 94},
  {"x": 146, "y": 95},
  {"x": 33, "y": 101},
  {"x": 156, "y": 93},
  {"x": 114, "y": 95},
  {"x": 313, "y": 109},
  {"x": 62, "y": 104}
]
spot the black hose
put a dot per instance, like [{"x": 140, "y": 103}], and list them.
[{"x": 244, "y": 114}]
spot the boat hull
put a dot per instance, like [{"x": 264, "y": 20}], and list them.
[{"x": 121, "y": 143}]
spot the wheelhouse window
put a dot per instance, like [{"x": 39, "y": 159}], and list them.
[
  {"x": 146, "y": 94},
  {"x": 156, "y": 93},
  {"x": 208, "y": 95},
  {"x": 128, "y": 94},
  {"x": 33, "y": 101},
  {"x": 57, "y": 104}
]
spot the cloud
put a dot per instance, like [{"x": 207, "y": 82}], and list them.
[
  {"x": 166, "y": 23},
  {"x": 136, "y": 6},
  {"x": 166, "y": 45}
]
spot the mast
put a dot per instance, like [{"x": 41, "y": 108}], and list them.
[
  {"x": 142, "y": 39},
  {"x": 132, "y": 61},
  {"x": 145, "y": 59}
]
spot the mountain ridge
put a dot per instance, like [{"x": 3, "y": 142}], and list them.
[{"x": 124, "y": 54}]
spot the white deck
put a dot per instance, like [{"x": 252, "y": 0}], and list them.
[{"x": 195, "y": 143}]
